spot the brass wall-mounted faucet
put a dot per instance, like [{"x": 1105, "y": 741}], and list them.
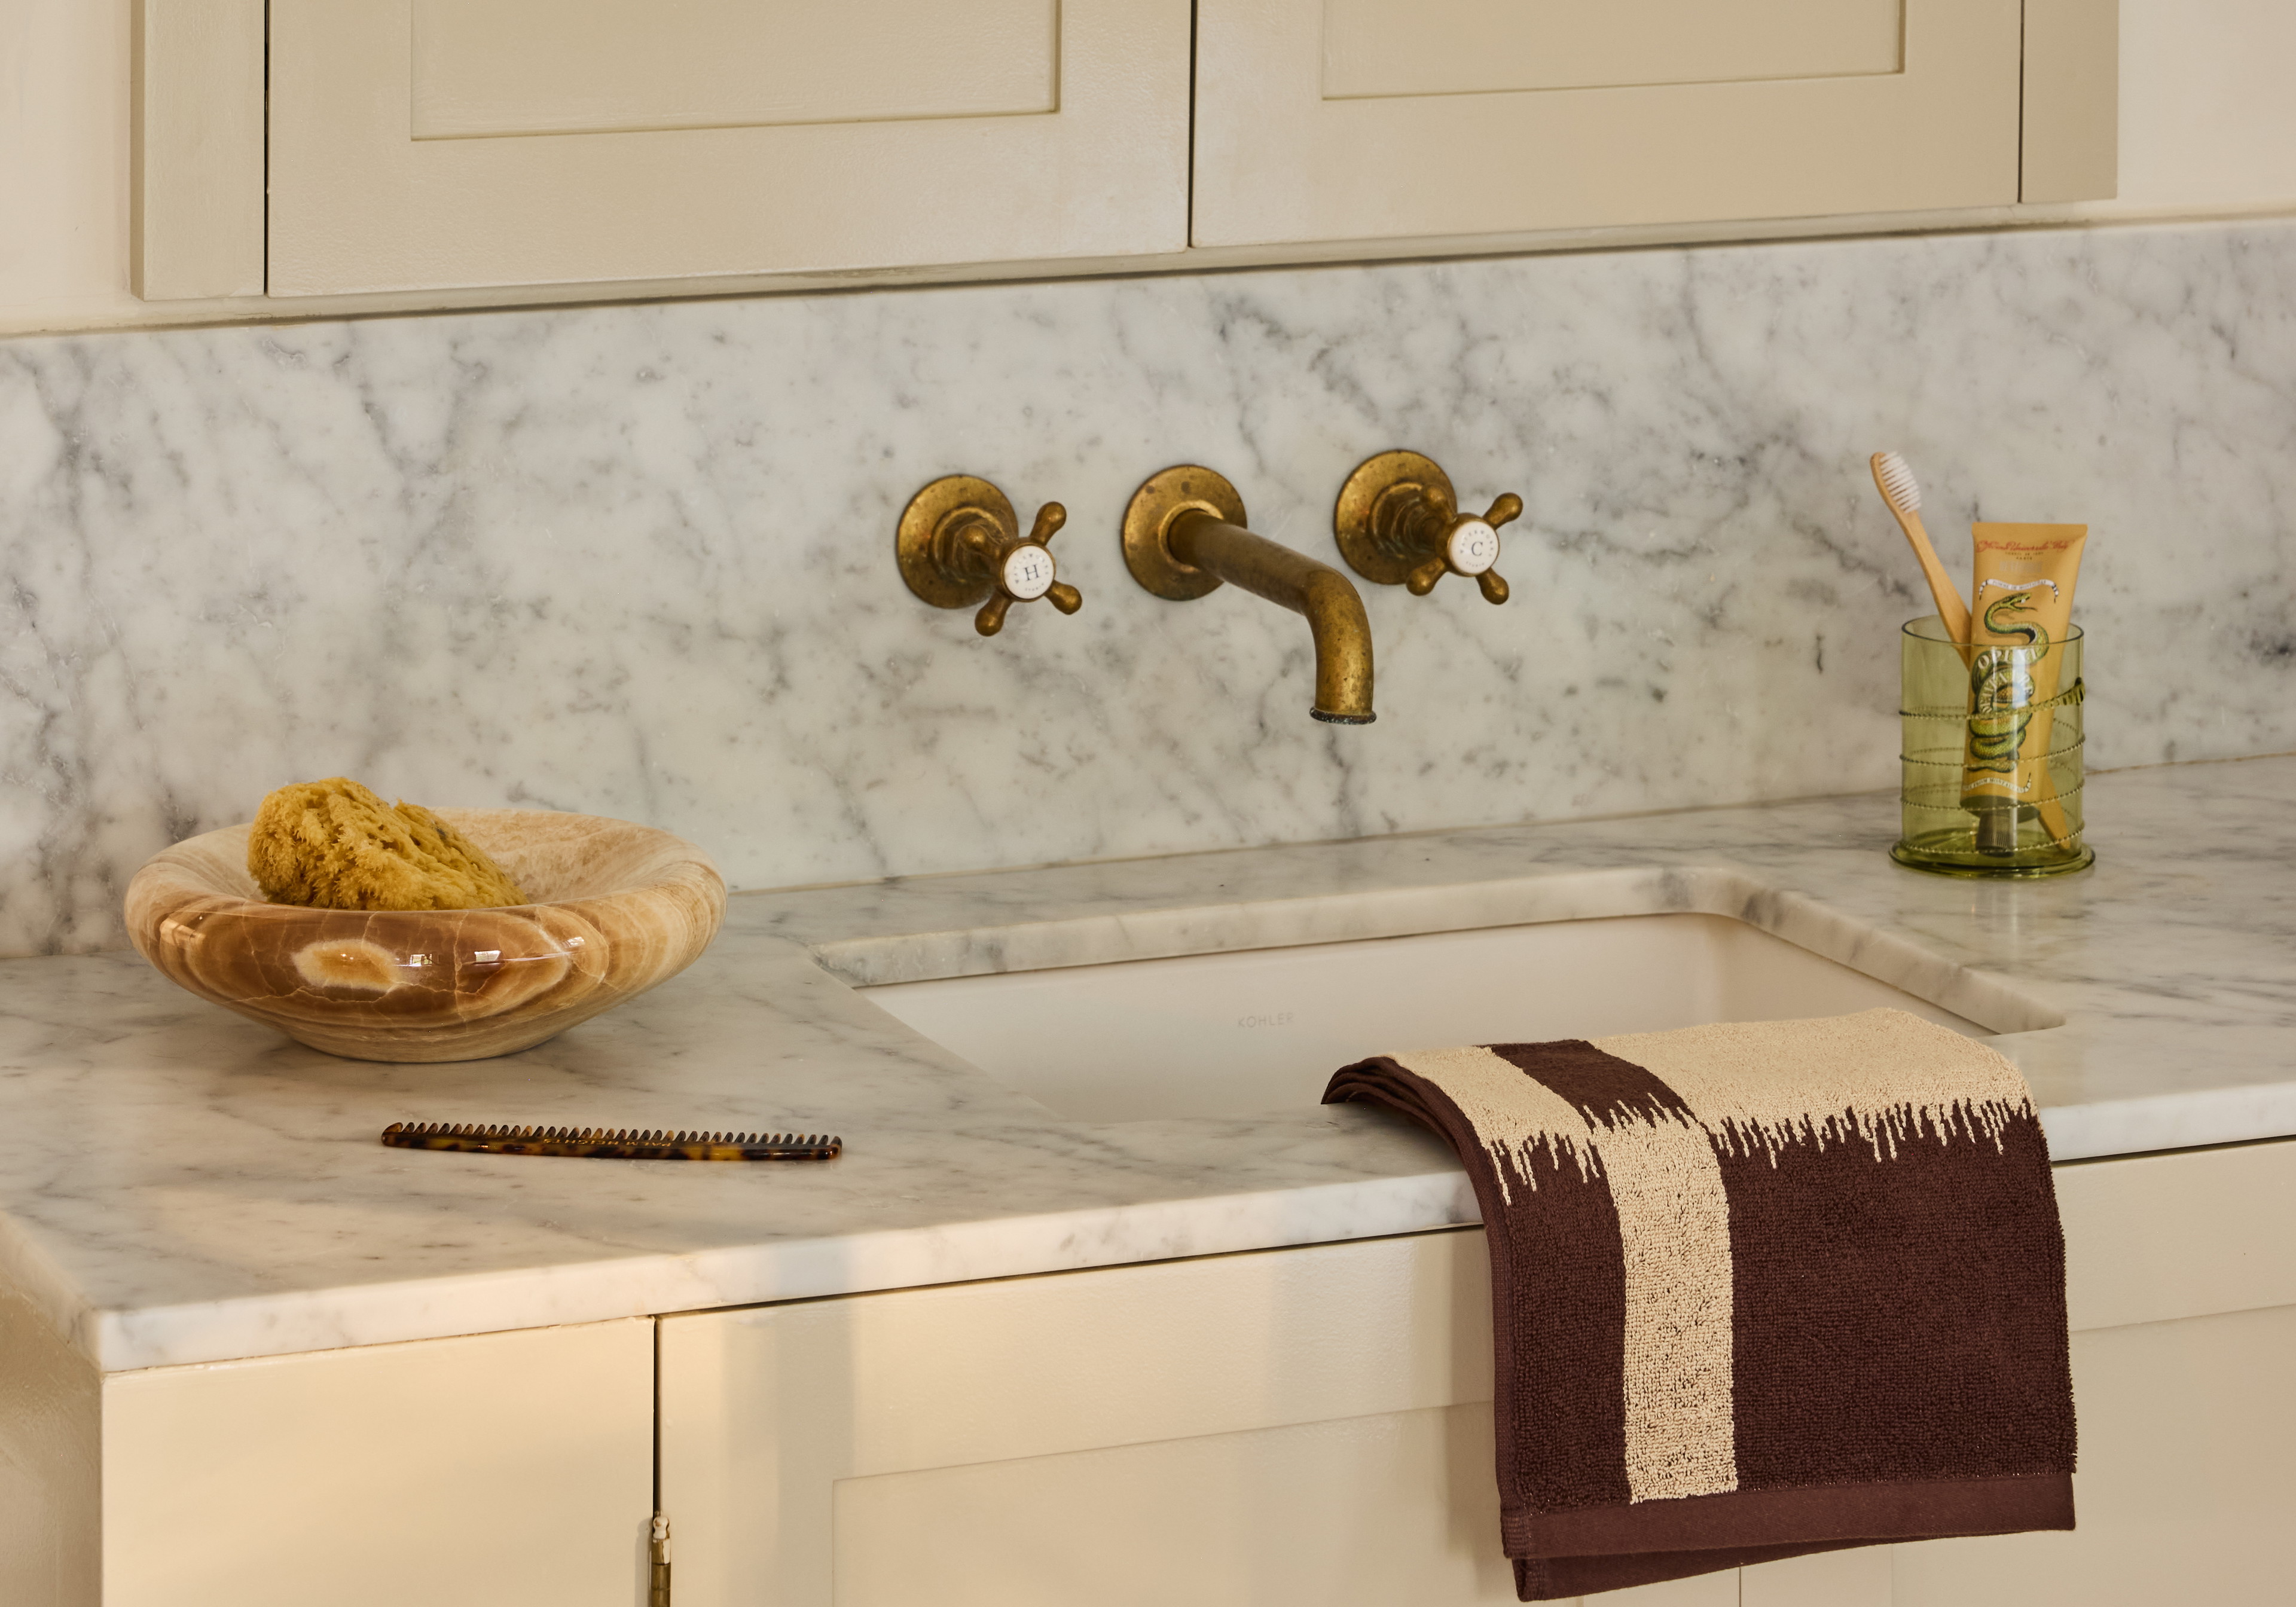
[
  {"x": 1398, "y": 523},
  {"x": 960, "y": 543},
  {"x": 1183, "y": 535}
]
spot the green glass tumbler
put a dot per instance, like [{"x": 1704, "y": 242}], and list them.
[{"x": 2016, "y": 706}]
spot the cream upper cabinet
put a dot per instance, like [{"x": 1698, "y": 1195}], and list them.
[
  {"x": 420, "y": 145},
  {"x": 411, "y": 152},
  {"x": 1377, "y": 119}
]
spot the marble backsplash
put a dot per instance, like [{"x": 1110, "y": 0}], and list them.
[{"x": 638, "y": 561}]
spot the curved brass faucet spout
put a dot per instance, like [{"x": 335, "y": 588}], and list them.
[
  {"x": 1185, "y": 534},
  {"x": 1293, "y": 580}
]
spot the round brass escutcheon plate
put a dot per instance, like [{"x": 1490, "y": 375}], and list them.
[
  {"x": 927, "y": 511},
  {"x": 1148, "y": 519},
  {"x": 1400, "y": 474}
]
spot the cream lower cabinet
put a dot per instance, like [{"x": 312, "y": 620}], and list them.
[
  {"x": 1307, "y": 1427},
  {"x": 509, "y": 1470},
  {"x": 2187, "y": 1480},
  {"x": 1312, "y": 1426},
  {"x": 1303, "y": 1425}
]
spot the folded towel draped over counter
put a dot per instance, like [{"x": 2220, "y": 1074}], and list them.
[{"x": 1758, "y": 1289}]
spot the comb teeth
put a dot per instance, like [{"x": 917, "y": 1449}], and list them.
[
  {"x": 1897, "y": 481},
  {"x": 420, "y": 1129},
  {"x": 629, "y": 1144}
]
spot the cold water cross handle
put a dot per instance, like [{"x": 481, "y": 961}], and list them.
[
  {"x": 959, "y": 543},
  {"x": 1399, "y": 524}
]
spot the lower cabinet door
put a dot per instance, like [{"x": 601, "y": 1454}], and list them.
[
  {"x": 1307, "y": 1425},
  {"x": 1313, "y": 1426},
  {"x": 2187, "y": 1479},
  {"x": 507, "y": 1470}
]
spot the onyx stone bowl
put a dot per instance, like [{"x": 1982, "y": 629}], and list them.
[{"x": 617, "y": 909}]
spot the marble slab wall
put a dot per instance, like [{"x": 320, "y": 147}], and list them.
[{"x": 638, "y": 561}]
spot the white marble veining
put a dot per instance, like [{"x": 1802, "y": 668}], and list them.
[
  {"x": 638, "y": 561},
  {"x": 178, "y": 1186}
]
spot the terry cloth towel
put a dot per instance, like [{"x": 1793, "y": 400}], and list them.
[{"x": 1757, "y": 1290}]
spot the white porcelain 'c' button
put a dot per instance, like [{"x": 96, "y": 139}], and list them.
[
  {"x": 1473, "y": 546},
  {"x": 1028, "y": 572}
]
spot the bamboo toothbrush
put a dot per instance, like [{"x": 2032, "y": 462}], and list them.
[{"x": 1893, "y": 477}]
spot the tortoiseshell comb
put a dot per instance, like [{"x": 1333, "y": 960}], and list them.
[{"x": 622, "y": 1143}]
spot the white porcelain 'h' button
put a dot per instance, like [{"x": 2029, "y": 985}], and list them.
[{"x": 1028, "y": 572}]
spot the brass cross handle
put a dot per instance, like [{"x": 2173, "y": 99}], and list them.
[
  {"x": 1398, "y": 523},
  {"x": 960, "y": 543}
]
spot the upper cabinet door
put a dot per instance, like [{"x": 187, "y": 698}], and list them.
[
  {"x": 419, "y": 145},
  {"x": 1371, "y": 119}
]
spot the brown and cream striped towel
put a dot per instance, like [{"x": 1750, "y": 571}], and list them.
[{"x": 1758, "y": 1289}]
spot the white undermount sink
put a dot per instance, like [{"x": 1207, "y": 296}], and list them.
[{"x": 1261, "y": 1029}]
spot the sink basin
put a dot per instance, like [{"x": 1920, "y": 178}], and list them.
[{"x": 1235, "y": 1033}]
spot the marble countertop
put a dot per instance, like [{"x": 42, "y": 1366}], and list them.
[{"x": 178, "y": 1186}]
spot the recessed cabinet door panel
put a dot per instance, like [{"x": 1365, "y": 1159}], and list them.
[
  {"x": 1339, "y": 120},
  {"x": 1399, "y": 47},
  {"x": 498, "y": 1470},
  {"x": 2185, "y": 1480},
  {"x": 1208, "y": 1432},
  {"x": 424, "y": 145},
  {"x": 505, "y": 66}
]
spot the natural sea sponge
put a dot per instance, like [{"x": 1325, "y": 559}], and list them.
[{"x": 333, "y": 845}]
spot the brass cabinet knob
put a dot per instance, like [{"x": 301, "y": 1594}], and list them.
[
  {"x": 960, "y": 543},
  {"x": 1398, "y": 523}
]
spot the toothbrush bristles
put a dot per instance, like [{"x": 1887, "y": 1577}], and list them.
[{"x": 1897, "y": 481}]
